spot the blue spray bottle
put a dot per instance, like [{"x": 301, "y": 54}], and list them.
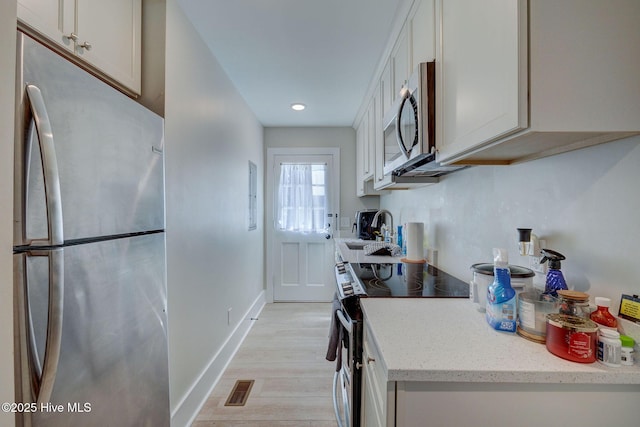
[
  {"x": 501, "y": 297},
  {"x": 555, "y": 280}
]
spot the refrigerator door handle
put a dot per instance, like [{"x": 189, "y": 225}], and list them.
[
  {"x": 49, "y": 166},
  {"x": 44, "y": 374}
]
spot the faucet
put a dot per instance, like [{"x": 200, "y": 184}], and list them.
[{"x": 374, "y": 221}]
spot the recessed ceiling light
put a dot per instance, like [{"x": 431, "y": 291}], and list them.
[{"x": 298, "y": 106}]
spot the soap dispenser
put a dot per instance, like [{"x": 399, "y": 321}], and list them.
[{"x": 555, "y": 280}]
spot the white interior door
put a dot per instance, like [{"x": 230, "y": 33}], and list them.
[{"x": 302, "y": 216}]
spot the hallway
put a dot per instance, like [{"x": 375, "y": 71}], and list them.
[{"x": 285, "y": 354}]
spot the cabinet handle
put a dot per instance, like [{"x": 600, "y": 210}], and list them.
[
  {"x": 85, "y": 45},
  {"x": 72, "y": 37}
]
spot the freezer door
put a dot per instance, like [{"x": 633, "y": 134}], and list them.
[
  {"x": 109, "y": 152},
  {"x": 112, "y": 367}
]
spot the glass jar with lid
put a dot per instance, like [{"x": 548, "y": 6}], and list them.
[{"x": 574, "y": 303}]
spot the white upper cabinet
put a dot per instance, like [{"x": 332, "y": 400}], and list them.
[
  {"x": 362, "y": 155},
  {"x": 415, "y": 43},
  {"x": 113, "y": 28},
  {"x": 481, "y": 72},
  {"x": 386, "y": 88},
  {"x": 53, "y": 19},
  {"x": 369, "y": 154},
  {"x": 105, "y": 35},
  {"x": 400, "y": 61},
  {"x": 360, "y": 182},
  {"x": 520, "y": 80},
  {"x": 378, "y": 142},
  {"x": 367, "y": 134},
  {"x": 423, "y": 43}
]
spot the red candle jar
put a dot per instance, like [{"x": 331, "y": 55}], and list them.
[{"x": 571, "y": 337}]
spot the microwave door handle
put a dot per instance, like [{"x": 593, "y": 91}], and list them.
[{"x": 405, "y": 95}]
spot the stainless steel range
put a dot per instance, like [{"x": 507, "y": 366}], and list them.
[{"x": 365, "y": 280}]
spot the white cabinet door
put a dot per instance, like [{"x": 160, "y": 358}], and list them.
[
  {"x": 378, "y": 172},
  {"x": 423, "y": 43},
  {"x": 112, "y": 28},
  {"x": 367, "y": 133},
  {"x": 386, "y": 88},
  {"x": 365, "y": 145},
  {"x": 400, "y": 61},
  {"x": 482, "y": 72},
  {"x": 106, "y": 35},
  {"x": 378, "y": 395},
  {"x": 370, "y": 149},
  {"x": 54, "y": 19},
  {"x": 360, "y": 182}
]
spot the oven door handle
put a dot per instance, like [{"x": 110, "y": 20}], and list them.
[{"x": 345, "y": 323}]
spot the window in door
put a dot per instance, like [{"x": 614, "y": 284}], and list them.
[{"x": 302, "y": 198}]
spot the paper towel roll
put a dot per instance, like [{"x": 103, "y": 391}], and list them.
[{"x": 414, "y": 234}]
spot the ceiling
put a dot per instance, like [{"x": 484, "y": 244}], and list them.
[{"x": 322, "y": 53}]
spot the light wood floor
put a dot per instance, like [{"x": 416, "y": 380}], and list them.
[{"x": 284, "y": 353}]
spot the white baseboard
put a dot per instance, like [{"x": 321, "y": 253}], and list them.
[{"x": 188, "y": 408}]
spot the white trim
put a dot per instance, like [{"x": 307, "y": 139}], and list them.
[
  {"x": 189, "y": 406},
  {"x": 268, "y": 211}
]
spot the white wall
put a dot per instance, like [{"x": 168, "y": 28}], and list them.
[
  {"x": 214, "y": 262},
  {"x": 341, "y": 137},
  {"x": 585, "y": 203},
  {"x": 7, "y": 95}
]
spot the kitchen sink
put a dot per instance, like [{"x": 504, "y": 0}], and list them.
[{"x": 358, "y": 246}]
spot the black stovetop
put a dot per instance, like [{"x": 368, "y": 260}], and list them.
[{"x": 408, "y": 280}]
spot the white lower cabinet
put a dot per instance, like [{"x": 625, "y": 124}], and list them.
[
  {"x": 416, "y": 373},
  {"x": 378, "y": 394},
  {"x": 420, "y": 403},
  {"x": 424, "y": 403}
]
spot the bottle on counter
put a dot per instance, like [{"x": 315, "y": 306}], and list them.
[
  {"x": 554, "y": 280},
  {"x": 385, "y": 233},
  {"x": 602, "y": 316},
  {"x": 626, "y": 352},
  {"x": 501, "y": 297},
  {"x": 574, "y": 303},
  {"x": 609, "y": 347}
]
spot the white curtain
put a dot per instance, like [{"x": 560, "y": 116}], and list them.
[{"x": 302, "y": 202}]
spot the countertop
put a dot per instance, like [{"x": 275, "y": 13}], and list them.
[
  {"x": 448, "y": 340},
  {"x": 355, "y": 255}
]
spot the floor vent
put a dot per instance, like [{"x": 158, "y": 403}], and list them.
[{"x": 240, "y": 393}]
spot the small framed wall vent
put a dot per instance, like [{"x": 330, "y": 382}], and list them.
[{"x": 253, "y": 196}]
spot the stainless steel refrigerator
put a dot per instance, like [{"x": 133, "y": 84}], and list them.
[{"x": 89, "y": 250}]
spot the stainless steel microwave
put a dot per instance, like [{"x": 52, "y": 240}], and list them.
[{"x": 409, "y": 129}]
